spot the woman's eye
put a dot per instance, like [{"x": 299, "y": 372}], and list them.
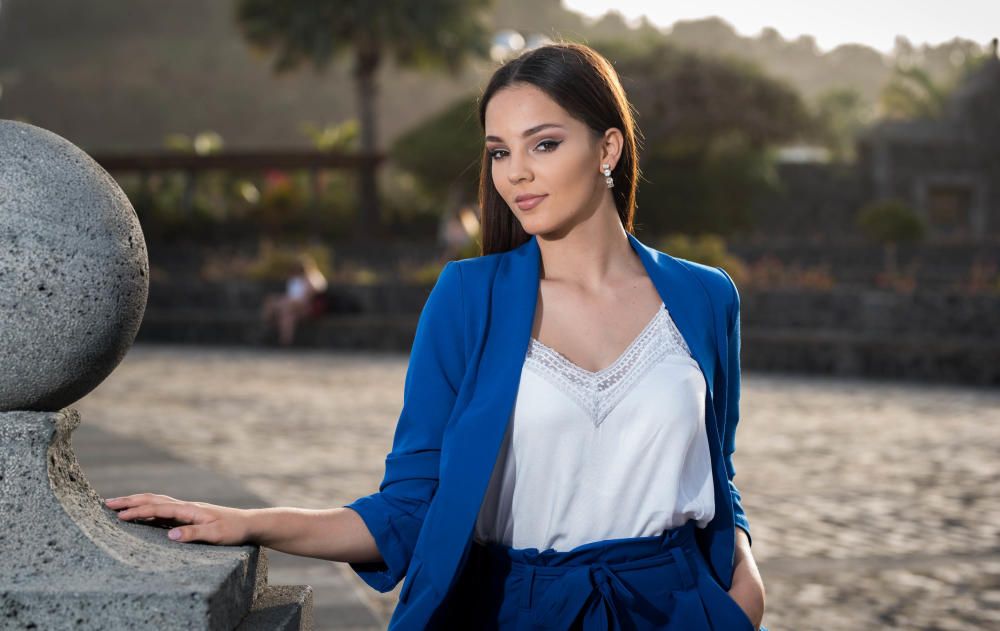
[{"x": 549, "y": 146}]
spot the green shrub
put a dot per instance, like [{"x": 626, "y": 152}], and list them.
[{"x": 890, "y": 221}]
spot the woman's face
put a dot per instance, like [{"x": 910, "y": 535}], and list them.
[{"x": 538, "y": 149}]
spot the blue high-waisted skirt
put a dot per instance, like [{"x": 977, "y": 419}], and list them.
[{"x": 658, "y": 582}]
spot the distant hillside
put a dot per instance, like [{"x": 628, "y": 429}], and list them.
[
  {"x": 799, "y": 62},
  {"x": 121, "y": 74}
]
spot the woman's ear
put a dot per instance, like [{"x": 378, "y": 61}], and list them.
[{"x": 611, "y": 147}]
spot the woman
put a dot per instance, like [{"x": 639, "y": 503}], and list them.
[
  {"x": 529, "y": 487},
  {"x": 305, "y": 284}
]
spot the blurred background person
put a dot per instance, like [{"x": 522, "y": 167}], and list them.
[{"x": 303, "y": 298}]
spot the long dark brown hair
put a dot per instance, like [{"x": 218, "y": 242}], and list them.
[{"x": 584, "y": 84}]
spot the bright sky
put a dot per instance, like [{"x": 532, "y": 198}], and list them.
[{"x": 872, "y": 22}]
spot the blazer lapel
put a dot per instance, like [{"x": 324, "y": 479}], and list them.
[
  {"x": 688, "y": 304},
  {"x": 475, "y": 438},
  {"x": 473, "y": 442}
]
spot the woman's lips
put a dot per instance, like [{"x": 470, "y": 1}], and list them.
[{"x": 531, "y": 202}]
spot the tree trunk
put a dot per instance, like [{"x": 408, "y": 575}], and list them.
[
  {"x": 890, "y": 259},
  {"x": 364, "y": 75}
]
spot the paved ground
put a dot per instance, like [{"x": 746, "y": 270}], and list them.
[{"x": 873, "y": 504}]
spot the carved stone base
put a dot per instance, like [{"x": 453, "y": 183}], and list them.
[{"x": 69, "y": 562}]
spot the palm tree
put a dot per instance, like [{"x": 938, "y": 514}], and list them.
[
  {"x": 912, "y": 93},
  {"x": 430, "y": 34}
]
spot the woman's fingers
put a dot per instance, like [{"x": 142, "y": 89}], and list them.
[
  {"x": 179, "y": 511},
  {"x": 189, "y": 521},
  {"x": 198, "y": 532},
  {"x": 229, "y": 529},
  {"x": 121, "y": 504},
  {"x": 127, "y": 501}
]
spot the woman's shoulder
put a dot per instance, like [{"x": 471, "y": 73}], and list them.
[
  {"x": 716, "y": 281},
  {"x": 466, "y": 277},
  {"x": 477, "y": 269}
]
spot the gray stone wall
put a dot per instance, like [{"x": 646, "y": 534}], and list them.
[
  {"x": 929, "y": 334},
  {"x": 935, "y": 336}
]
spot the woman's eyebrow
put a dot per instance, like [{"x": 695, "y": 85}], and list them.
[{"x": 527, "y": 132}]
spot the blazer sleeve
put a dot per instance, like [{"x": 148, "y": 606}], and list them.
[
  {"x": 395, "y": 514},
  {"x": 733, "y": 405}
]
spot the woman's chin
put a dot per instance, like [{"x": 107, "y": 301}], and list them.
[
  {"x": 535, "y": 230},
  {"x": 536, "y": 225}
]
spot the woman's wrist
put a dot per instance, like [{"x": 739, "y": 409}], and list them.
[
  {"x": 747, "y": 587},
  {"x": 257, "y": 523}
]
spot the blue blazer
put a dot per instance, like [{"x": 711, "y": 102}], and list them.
[{"x": 461, "y": 382}]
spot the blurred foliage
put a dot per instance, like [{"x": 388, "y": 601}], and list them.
[
  {"x": 204, "y": 143},
  {"x": 216, "y": 206},
  {"x": 899, "y": 281},
  {"x": 890, "y": 221},
  {"x": 445, "y": 150},
  {"x": 408, "y": 209},
  {"x": 426, "y": 35},
  {"x": 686, "y": 99},
  {"x": 841, "y": 113},
  {"x": 707, "y": 249},
  {"x": 333, "y": 137},
  {"x": 366, "y": 276},
  {"x": 227, "y": 206},
  {"x": 278, "y": 262},
  {"x": 983, "y": 278},
  {"x": 770, "y": 272},
  {"x": 709, "y": 126},
  {"x": 281, "y": 196},
  {"x": 914, "y": 91},
  {"x": 426, "y": 274},
  {"x": 271, "y": 262},
  {"x": 766, "y": 272},
  {"x": 423, "y": 35}
]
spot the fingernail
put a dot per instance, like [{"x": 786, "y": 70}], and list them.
[
  {"x": 174, "y": 534},
  {"x": 112, "y": 499}
]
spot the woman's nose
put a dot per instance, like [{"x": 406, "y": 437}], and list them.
[{"x": 518, "y": 171}]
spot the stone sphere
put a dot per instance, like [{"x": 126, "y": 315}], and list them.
[{"x": 74, "y": 273}]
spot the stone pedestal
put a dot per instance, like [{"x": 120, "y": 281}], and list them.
[
  {"x": 74, "y": 278},
  {"x": 69, "y": 562}
]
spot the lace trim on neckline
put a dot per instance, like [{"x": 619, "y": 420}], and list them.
[
  {"x": 637, "y": 340},
  {"x": 599, "y": 392}
]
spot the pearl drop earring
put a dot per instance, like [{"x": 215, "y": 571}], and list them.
[{"x": 607, "y": 176}]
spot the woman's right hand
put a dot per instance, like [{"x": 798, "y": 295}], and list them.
[{"x": 193, "y": 521}]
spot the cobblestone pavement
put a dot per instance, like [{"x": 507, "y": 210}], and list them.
[{"x": 872, "y": 504}]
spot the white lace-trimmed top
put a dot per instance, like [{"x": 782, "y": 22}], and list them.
[{"x": 621, "y": 452}]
